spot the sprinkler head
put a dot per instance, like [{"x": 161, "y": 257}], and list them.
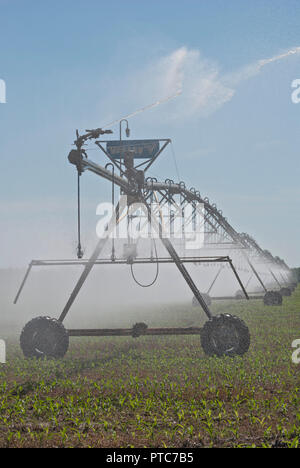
[{"x": 79, "y": 252}]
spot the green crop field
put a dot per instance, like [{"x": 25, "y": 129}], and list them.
[{"x": 160, "y": 391}]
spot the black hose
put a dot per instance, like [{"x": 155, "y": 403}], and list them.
[
  {"x": 79, "y": 248},
  {"x": 156, "y": 275}
]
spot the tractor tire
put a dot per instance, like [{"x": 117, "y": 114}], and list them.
[
  {"x": 273, "y": 298},
  {"x": 225, "y": 335},
  {"x": 44, "y": 337},
  {"x": 285, "y": 292}
]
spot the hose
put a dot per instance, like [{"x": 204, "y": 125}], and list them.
[{"x": 156, "y": 274}]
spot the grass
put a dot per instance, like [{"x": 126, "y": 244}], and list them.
[{"x": 160, "y": 391}]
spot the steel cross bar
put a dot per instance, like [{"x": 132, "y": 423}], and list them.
[
  {"x": 238, "y": 278},
  {"x": 130, "y": 332},
  {"x": 104, "y": 261},
  {"x": 138, "y": 261}
]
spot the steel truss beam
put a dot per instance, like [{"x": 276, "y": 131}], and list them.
[{"x": 165, "y": 193}]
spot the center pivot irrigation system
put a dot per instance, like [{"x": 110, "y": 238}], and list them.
[{"x": 129, "y": 161}]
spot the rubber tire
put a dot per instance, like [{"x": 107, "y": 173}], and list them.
[
  {"x": 272, "y": 298},
  {"x": 285, "y": 292},
  {"x": 54, "y": 339},
  {"x": 206, "y": 298},
  {"x": 209, "y": 345}
]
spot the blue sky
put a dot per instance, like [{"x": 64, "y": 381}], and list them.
[{"x": 80, "y": 64}]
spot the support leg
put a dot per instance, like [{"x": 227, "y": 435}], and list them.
[
  {"x": 276, "y": 280},
  {"x": 239, "y": 279},
  {"x": 255, "y": 273},
  {"x": 173, "y": 254},
  {"x": 87, "y": 269},
  {"x": 23, "y": 283}
]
